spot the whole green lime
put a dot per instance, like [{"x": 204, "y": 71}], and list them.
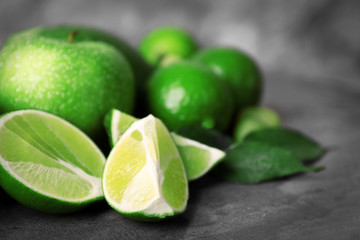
[
  {"x": 140, "y": 68},
  {"x": 238, "y": 70},
  {"x": 255, "y": 118},
  {"x": 165, "y": 45},
  {"x": 188, "y": 93},
  {"x": 79, "y": 81}
]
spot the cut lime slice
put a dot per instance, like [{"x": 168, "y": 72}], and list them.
[
  {"x": 198, "y": 158},
  {"x": 48, "y": 164},
  {"x": 116, "y": 123},
  {"x": 144, "y": 177}
]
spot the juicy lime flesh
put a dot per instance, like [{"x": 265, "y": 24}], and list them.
[
  {"x": 145, "y": 165},
  {"x": 124, "y": 122},
  {"x": 49, "y": 156},
  {"x": 196, "y": 160},
  {"x": 174, "y": 185},
  {"x": 131, "y": 158},
  {"x": 140, "y": 192}
]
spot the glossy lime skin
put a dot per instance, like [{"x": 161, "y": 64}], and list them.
[
  {"x": 253, "y": 119},
  {"x": 79, "y": 82},
  {"x": 188, "y": 93},
  {"x": 167, "y": 44},
  {"x": 238, "y": 70},
  {"x": 141, "y": 70}
]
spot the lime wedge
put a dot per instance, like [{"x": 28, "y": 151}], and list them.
[
  {"x": 116, "y": 123},
  {"x": 48, "y": 164},
  {"x": 144, "y": 177},
  {"x": 198, "y": 158}
]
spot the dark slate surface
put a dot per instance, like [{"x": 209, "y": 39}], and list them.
[{"x": 310, "y": 52}]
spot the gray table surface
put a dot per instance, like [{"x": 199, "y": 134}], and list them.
[
  {"x": 310, "y": 53},
  {"x": 319, "y": 206}
]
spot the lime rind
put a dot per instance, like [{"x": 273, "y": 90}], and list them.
[
  {"x": 151, "y": 176},
  {"x": 32, "y": 182}
]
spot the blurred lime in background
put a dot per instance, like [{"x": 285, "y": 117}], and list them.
[{"x": 165, "y": 45}]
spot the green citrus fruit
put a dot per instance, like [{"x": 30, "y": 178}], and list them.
[
  {"x": 188, "y": 93},
  {"x": 79, "y": 81},
  {"x": 198, "y": 158},
  {"x": 255, "y": 118},
  {"x": 238, "y": 70},
  {"x": 116, "y": 123},
  {"x": 165, "y": 45},
  {"x": 140, "y": 68},
  {"x": 48, "y": 164},
  {"x": 144, "y": 177}
]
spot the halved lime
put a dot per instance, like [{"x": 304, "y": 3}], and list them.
[
  {"x": 198, "y": 158},
  {"x": 144, "y": 177},
  {"x": 48, "y": 164}
]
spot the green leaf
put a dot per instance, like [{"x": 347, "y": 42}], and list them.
[
  {"x": 303, "y": 147},
  {"x": 254, "y": 162},
  {"x": 206, "y": 136}
]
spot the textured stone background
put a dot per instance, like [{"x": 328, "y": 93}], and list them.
[
  {"x": 310, "y": 53},
  {"x": 318, "y": 38}
]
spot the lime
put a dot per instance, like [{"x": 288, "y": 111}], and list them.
[
  {"x": 238, "y": 70},
  {"x": 144, "y": 177},
  {"x": 198, "y": 158},
  {"x": 188, "y": 93},
  {"x": 140, "y": 69},
  {"x": 255, "y": 118},
  {"x": 48, "y": 164},
  {"x": 165, "y": 45},
  {"x": 72, "y": 80},
  {"x": 116, "y": 123}
]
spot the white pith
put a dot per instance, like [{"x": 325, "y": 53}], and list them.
[
  {"x": 115, "y": 119},
  {"x": 158, "y": 205},
  {"x": 10, "y": 167}
]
